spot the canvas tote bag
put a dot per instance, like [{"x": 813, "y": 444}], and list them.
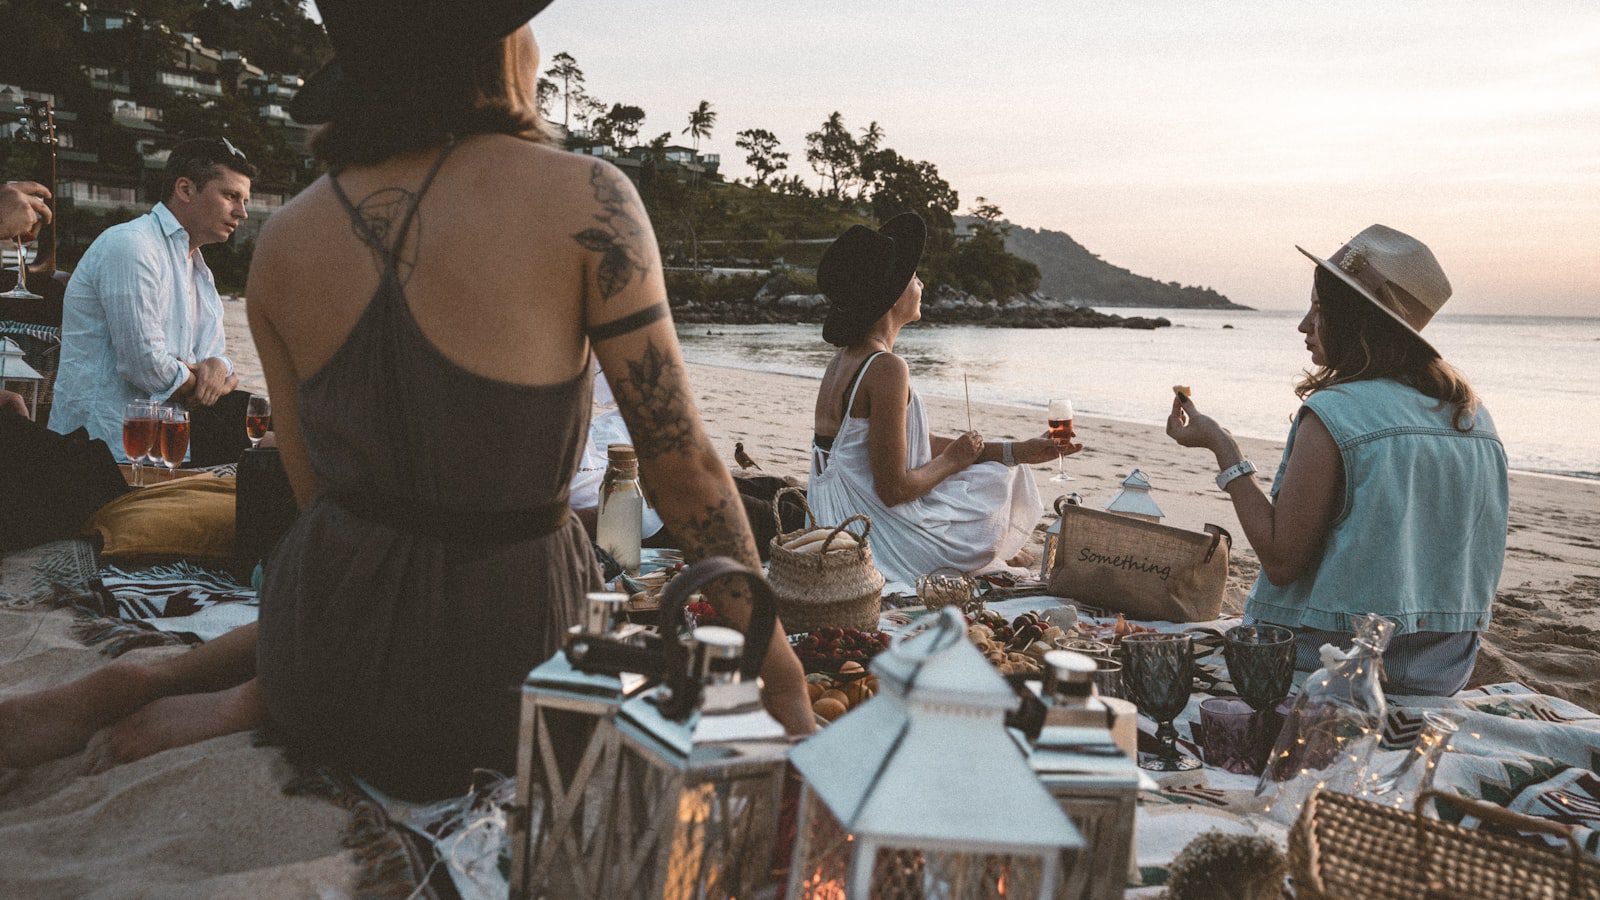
[{"x": 1142, "y": 569}]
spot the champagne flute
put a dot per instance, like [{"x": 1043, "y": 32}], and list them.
[
  {"x": 139, "y": 432},
  {"x": 1060, "y": 419},
  {"x": 20, "y": 291},
  {"x": 257, "y": 419},
  {"x": 174, "y": 437}
]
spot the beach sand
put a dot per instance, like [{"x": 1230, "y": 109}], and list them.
[
  {"x": 1545, "y": 631},
  {"x": 212, "y": 819}
]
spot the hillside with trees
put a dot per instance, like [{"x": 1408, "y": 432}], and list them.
[
  {"x": 1070, "y": 270},
  {"x": 130, "y": 82}
]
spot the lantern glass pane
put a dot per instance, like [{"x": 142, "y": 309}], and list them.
[
  {"x": 900, "y": 873},
  {"x": 908, "y": 874},
  {"x": 825, "y": 870},
  {"x": 574, "y": 756},
  {"x": 639, "y": 818},
  {"x": 723, "y": 843},
  {"x": 691, "y": 834}
]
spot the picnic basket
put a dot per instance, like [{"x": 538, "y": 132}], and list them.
[
  {"x": 1346, "y": 848},
  {"x": 839, "y": 587}
]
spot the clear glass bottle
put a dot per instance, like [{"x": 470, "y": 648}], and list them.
[
  {"x": 1399, "y": 784},
  {"x": 621, "y": 517},
  {"x": 1336, "y": 723}
]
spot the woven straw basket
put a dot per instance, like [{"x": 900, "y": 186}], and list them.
[
  {"x": 841, "y": 588},
  {"x": 1344, "y": 848}
]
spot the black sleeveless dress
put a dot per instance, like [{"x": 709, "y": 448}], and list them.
[{"x": 437, "y": 565}]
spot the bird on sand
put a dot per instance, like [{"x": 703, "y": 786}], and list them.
[{"x": 743, "y": 458}]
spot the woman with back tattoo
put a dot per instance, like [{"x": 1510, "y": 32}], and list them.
[{"x": 425, "y": 315}]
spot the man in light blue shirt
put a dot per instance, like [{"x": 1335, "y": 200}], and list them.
[{"x": 142, "y": 318}]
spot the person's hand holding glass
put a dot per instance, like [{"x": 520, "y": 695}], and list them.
[
  {"x": 22, "y": 210},
  {"x": 1061, "y": 431}
]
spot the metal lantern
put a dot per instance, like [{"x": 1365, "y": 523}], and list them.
[
  {"x": 14, "y": 368},
  {"x": 566, "y": 766},
  {"x": 1095, "y": 782},
  {"x": 921, "y": 792},
  {"x": 1052, "y": 536}
]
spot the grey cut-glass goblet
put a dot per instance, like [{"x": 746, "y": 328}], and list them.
[
  {"x": 1158, "y": 674},
  {"x": 1260, "y": 663}
]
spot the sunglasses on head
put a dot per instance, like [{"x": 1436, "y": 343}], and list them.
[{"x": 231, "y": 150}]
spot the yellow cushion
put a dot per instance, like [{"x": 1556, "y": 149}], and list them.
[{"x": 185, "y": 517}]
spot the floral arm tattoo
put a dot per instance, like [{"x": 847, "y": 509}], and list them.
[
  {"x": 721, "y": 530},
  {"x": 619, "y": 235},
  {"x": 654, "y": 399}
]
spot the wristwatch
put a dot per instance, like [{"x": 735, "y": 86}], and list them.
[{"x": 1242, "y": 467}]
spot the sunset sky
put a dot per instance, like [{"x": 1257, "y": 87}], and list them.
[{"x": 1188, "y": 141}]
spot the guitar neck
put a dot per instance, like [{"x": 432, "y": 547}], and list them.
[{"x": 44, "y": 260}]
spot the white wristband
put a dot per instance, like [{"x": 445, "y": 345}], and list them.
[
  {"x": 1238, "y": 469},
  {"x": 1006, "y": 456}
]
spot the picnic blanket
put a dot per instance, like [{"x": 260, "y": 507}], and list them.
[
  {"x": 190, "y": 602},
  {"x": 45, "y": 572},
  {"x": 1528, "y": 752}
]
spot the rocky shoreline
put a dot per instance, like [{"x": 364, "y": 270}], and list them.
[{"x": 944, "y": 306}]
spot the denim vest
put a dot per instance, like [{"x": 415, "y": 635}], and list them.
[{"x": 1421, "y": 532}]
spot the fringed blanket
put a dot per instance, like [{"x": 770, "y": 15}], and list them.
[
  {"x": 177, "y": 602},
  {"x": 46, "y": 573}
]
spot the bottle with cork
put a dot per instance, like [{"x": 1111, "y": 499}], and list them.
[{"x": 619, "y": 528}]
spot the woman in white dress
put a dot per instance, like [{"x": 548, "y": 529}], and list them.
[{"x": 934, "y": 502}]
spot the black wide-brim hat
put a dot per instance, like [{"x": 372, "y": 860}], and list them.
[
  {"x": 863, "y": 272},
  {"x": 379, "y": 42}
]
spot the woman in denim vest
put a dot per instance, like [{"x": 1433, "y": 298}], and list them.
[{"x": 1392, "y": 494}]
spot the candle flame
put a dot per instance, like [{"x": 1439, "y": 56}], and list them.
[{"x": 815, "y": 888}]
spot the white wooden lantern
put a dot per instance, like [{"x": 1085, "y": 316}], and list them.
[
  {"x": 921, "y": 792},
  {"x": 566, "y": 765},
  {"x": 15, "y": 369},
  {"x": 1134, "y": 499},
  {"x": 695, "y": 811}
]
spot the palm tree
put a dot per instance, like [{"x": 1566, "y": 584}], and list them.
[{"x": 701, "y": 120}]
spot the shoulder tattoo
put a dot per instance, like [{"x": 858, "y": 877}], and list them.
[{"x": 618, "y": 235}]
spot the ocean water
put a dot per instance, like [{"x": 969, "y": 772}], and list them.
[{"x": 1537, "y": 375}]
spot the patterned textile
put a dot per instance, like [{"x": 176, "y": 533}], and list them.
[
  {"x": 1531, "y": 753},
  {"x": 192, "y": 603},
  {"x": 44, "y": 572}
]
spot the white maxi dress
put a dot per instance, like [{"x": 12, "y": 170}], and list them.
[{"x": 973, "y": 521}]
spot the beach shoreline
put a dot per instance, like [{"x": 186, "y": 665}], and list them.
[
  {"x": 1545, "y": 625},
  {"x": 1037, "y": 408},
  {"x": 1545, "y": 630}
]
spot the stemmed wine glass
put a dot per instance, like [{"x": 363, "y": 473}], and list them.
[
  {"x": 140, "y": 431},
  {"x": 174, "y": 436},
  {"x": 257, "y": 419},
  {"x": 1060, "y": 419},
  {"x": 1158, "y": 674},
  {"x": 1260, "y": 663},
  {"x": 19, "y": 291}
]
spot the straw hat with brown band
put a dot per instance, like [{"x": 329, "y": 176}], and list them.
[{"x": 1395, "y": 271}]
